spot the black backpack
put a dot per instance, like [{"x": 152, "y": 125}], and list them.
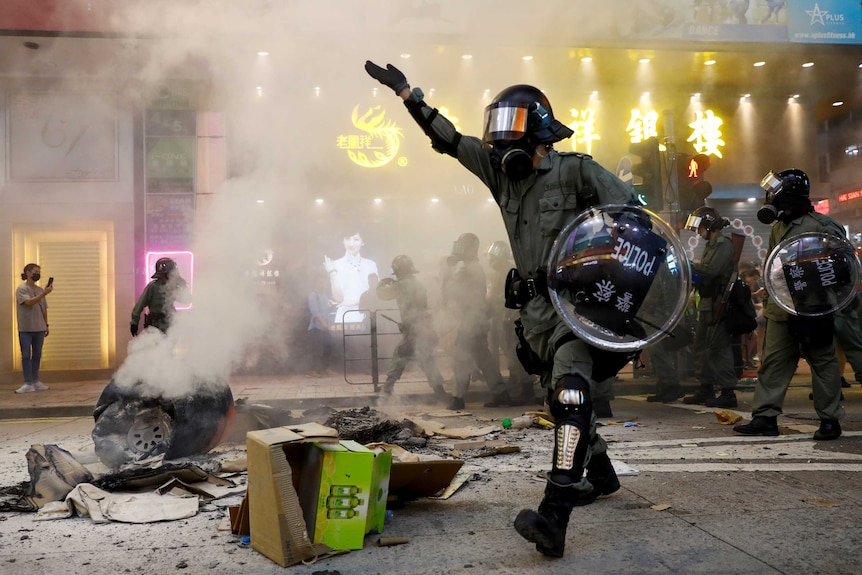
[{"x": 740, "y": 316}]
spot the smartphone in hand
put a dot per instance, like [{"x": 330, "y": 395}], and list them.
[{"x": 50, "y": 281}]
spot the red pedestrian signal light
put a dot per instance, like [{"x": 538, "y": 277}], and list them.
[{"x": 693, "y": 189}]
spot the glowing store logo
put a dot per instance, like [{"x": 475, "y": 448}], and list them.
[{"x": 377, "y": 145}]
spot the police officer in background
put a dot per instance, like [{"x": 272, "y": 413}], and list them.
[
  {"x": 417, "y": 334},
  {"x": 465, "y": 289},
  {"x": 159, "y": 296},
  {"x": 503, "y": 336},
  {"x": 539, "y": 191},
  {"x": 788, "y": 338},
  {"x": 712, "y": 345}
]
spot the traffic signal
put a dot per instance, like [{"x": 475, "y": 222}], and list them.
[
  {"x": 693, "y": 188},
  {"x": 649, "y": 191}
]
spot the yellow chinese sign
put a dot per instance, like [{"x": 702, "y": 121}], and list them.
[
  {"x": 642, "y": 126},
  {"x": 584, "y": 127},
  {"x": 379, "y": 142},
  {"x": 706, "y": 133}
]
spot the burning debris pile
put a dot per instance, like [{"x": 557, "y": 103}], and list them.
[{"x": 366, "y": 425}]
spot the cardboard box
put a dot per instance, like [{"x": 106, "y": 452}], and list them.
[
  {"x": 310, "y": 494},
  {"x": 338, "y": 494}
]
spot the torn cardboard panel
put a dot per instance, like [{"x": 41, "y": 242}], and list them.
[{"x": 421, "y": 478}]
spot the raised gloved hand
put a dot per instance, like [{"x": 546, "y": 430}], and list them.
[
  {"x": 134, "y": 330},
  {"x": 389, "y": 76}
]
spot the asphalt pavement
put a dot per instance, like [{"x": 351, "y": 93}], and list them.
[{"x": 696, "y": 498}]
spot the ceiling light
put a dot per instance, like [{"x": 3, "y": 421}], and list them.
[
  {"x": 260, "y": 201},
  {"x": 527, "y": 58},
  {"x": 405, "y": 56},
  {"x": 467, "y": 57},
  {"x": 838, "y": 103},
  {"x": 262, "y": 53},
  {"x": 709, "y": 63},
  {"x": 746, "y": 95},
  {"x": 759, "y": 64},
  {"x": 807, "y": 64},
  {"x": 587, "y": 59},
  {"x": 490, "y": 200},
  {"x": 378, "y": 200},
  {"x": 644, "y": 60},
  {"x": 434, "y": 200},
  {"x": 319, "y": 201}
]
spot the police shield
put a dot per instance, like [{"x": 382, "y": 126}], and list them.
[
  {"x": 812, "y": 274},
  {"x": 619, "y": 277}
]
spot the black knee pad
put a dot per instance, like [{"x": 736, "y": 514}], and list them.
[
  {"x": 570, "y": 399},
  {"x": 571, "y": 407}
]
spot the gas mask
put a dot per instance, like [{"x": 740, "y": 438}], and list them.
[
  {"x": 465, "y": 248},
  {"x": 786, "y": 196},
  {"x": 513, "y": 157},
  {"x": 768, "y": 212}
]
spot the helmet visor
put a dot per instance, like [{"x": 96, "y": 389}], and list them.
[
  {"x": 694, "y": 222},
  {"x": 505, "y": 121},
  {"x": 771, "y": 183}
]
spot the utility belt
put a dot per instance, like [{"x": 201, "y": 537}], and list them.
[
  {"x": 532, "y": 361},
  {"x": 154, "y": 319},
  {"x": 519, "y": 290}
]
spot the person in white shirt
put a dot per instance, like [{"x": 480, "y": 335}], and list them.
[{"x": 348, "y": 278}]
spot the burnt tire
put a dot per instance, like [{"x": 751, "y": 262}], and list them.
[{"x": 135, "y": 423}]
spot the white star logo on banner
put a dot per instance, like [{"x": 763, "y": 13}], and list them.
[{"x": 817, "y": 15}]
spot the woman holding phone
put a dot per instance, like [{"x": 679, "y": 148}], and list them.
[{"x": 32, "y": 325}]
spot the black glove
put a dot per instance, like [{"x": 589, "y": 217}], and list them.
[
  {"x": 389, "y": 76},
  {"x": 134, "y": 330}
]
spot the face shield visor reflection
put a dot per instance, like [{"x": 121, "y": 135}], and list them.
[
  {"x": 505, "y": 121},
  {"x": 693, "y": 222},
  {"x": 771, "y": 184}
]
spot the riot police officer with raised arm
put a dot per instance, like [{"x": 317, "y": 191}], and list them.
[{"x": 539, "y": 191}]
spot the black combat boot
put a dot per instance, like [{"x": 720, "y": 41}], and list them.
[
  {"x": 759, "y": 425},
  {"x": 602, "y": 408},
  {"x": 700, "y": 397},
  {"x": 726, "y": 399},
  {"x": 388, "y": 387},
  {"x": 547, "y": 526},
  {"x": 829, "y": 429},
  {"x": 500, "y": 400},
  {"x": 440, "y": 394},
  {"x": 600, "y": 472}
]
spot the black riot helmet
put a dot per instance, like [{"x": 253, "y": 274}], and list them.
[
  {"x": 786, "y": 190},
  {"x": 465, "y": 248},
  {"x": 402, "y": 266},
  {"x": 706, "y": 217},
  {"x": 164, "y": 266},
  {"x": 518, "y": 120}
]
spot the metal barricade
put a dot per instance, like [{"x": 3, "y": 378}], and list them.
[{"x": 369, "y": 339}]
